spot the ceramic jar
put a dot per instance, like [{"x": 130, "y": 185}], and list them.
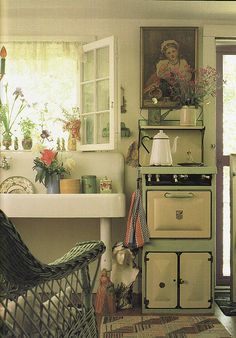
[
  {"x": 89, "y": 184},
  {"x": 188, "y": 116},
  {"x": 71, "y": 143},
  {"x": 105, "y": 185}
]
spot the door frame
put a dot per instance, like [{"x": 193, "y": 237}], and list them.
[{"x": 221, "y": 162}]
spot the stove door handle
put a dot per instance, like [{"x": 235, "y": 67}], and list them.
[{"x": 178, "y": 195}]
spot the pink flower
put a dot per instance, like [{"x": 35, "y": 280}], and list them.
[{"x": 48, "y": 156}]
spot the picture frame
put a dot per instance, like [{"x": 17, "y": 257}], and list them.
[{"x": 157, "y": 54}]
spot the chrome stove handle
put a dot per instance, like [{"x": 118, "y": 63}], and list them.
[{"x": 177, "y": 195}]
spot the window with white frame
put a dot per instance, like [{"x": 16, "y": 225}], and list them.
[{"x": 48, "y": 74}]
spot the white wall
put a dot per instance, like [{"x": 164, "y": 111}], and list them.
[{"x": 128, "y": 33}]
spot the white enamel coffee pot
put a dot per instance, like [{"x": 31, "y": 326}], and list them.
[{"x": 161, "y": 150}]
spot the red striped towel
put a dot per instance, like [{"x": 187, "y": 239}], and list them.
[{"x": 137, "y": 233}]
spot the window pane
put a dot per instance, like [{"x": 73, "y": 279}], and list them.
[
  {"x": 88, "y": 67},
  {"x": 88, "y": 98},
  {"x": 103, "y": 95},
  {"x": 226, "y": 222},
  {"x": 88, "y": 129},
  {"x": 102, "y": 62},
  {"x": 229, "y": 97},
  {"x": 103, "y": 128}
]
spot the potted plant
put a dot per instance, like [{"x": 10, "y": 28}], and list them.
[
  {"x": 71, "y": 123},
  {"x": 9, "y": 113},
  {"x": 191, "y": 94},
  {"x": 50, "y": 169},
  {"x": 27, "y": 127}
]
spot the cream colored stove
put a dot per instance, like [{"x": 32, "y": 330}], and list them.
[{"x": 178, "y": 263}]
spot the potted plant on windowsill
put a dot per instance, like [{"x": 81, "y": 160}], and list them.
[
  {"x": 10, "y": 112},
  {"x": 27, "y": 126},
  {"x": 71, "y": 123}
]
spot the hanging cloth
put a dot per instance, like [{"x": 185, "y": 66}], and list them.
[{"x": 137, "y": 233}]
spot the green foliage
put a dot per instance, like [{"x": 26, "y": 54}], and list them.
[
  {"x": 9, "y": 113},
  {"x": 27, "y": 127}
]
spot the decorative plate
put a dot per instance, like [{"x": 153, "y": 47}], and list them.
[{"x": 16, "y": 185}]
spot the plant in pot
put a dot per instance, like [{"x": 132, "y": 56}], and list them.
[
  {"x": 50, "y": 169},
  {"x": 10, "y": 110},
  {"x": 71, "y": 123},
  {"x": 192, "y": 88},
  {"x": 27, "y": 126}
]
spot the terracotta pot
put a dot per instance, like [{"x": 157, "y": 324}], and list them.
[{"x": 69, "y": 186}]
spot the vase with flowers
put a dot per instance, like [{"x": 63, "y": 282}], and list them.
[
  {"x": 50, "y": 169},
  {"x": 71, "y": 124},
  {"x": 191, "y": 94},
  {"x": 10, "y": 111}
]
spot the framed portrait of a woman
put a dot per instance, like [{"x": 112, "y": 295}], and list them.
[{"x": 165, "y": 52}]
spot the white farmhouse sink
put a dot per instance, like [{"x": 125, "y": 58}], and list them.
[
  {"x": 43, "y": 205},
  {"x": 102, "y": 206},
  {"x": 63, "y": 205}
]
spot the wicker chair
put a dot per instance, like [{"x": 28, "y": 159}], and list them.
[{"x": 46, "y": 300}]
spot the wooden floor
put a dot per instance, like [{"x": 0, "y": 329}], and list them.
[{"x": 228, "y": 322}]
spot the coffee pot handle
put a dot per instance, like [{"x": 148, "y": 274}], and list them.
[{"x": 150, "y": 138}]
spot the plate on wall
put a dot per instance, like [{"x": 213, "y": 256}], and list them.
[{"x": 16, "y": 185}]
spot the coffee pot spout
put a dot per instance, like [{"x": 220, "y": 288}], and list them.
[{"x": 174, "y": 146}]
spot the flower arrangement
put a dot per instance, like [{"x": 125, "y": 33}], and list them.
[
  {"x": 71, "y": 122},
  {"x": 10, "y": 113},
  {"x": 48, "y": 164},
  {"x": 201, "y": 87}
]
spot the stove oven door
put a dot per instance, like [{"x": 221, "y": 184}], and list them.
[{"x": 179, "y": 214}]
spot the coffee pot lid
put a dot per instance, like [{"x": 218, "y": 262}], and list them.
[{"x": 161, "y": 135}]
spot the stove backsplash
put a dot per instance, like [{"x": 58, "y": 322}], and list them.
[{"x": 189, "y": 147}]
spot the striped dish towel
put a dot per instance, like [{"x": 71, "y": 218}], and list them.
[{"x": 137, "y": 233}]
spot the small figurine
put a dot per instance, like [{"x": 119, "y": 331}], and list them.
[
  {"x": 105, "y": 296},
  {"x": 123, "y": 275},
  {"x": 16, "y": 144},
  {"x": 58, "y": 144},
  {"x": 63, "y": 148}
]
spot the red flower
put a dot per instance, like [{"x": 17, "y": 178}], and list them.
[{"x": 48, "y": 156}]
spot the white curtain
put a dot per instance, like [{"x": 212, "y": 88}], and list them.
[{"x": 47, "y": 73}]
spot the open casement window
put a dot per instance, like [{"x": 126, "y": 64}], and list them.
[{"x": 98, "y": 96}]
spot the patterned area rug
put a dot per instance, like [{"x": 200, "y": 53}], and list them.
[
  {"x": 162, "y": 327},
  {"x": 222, "y": 299}
]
